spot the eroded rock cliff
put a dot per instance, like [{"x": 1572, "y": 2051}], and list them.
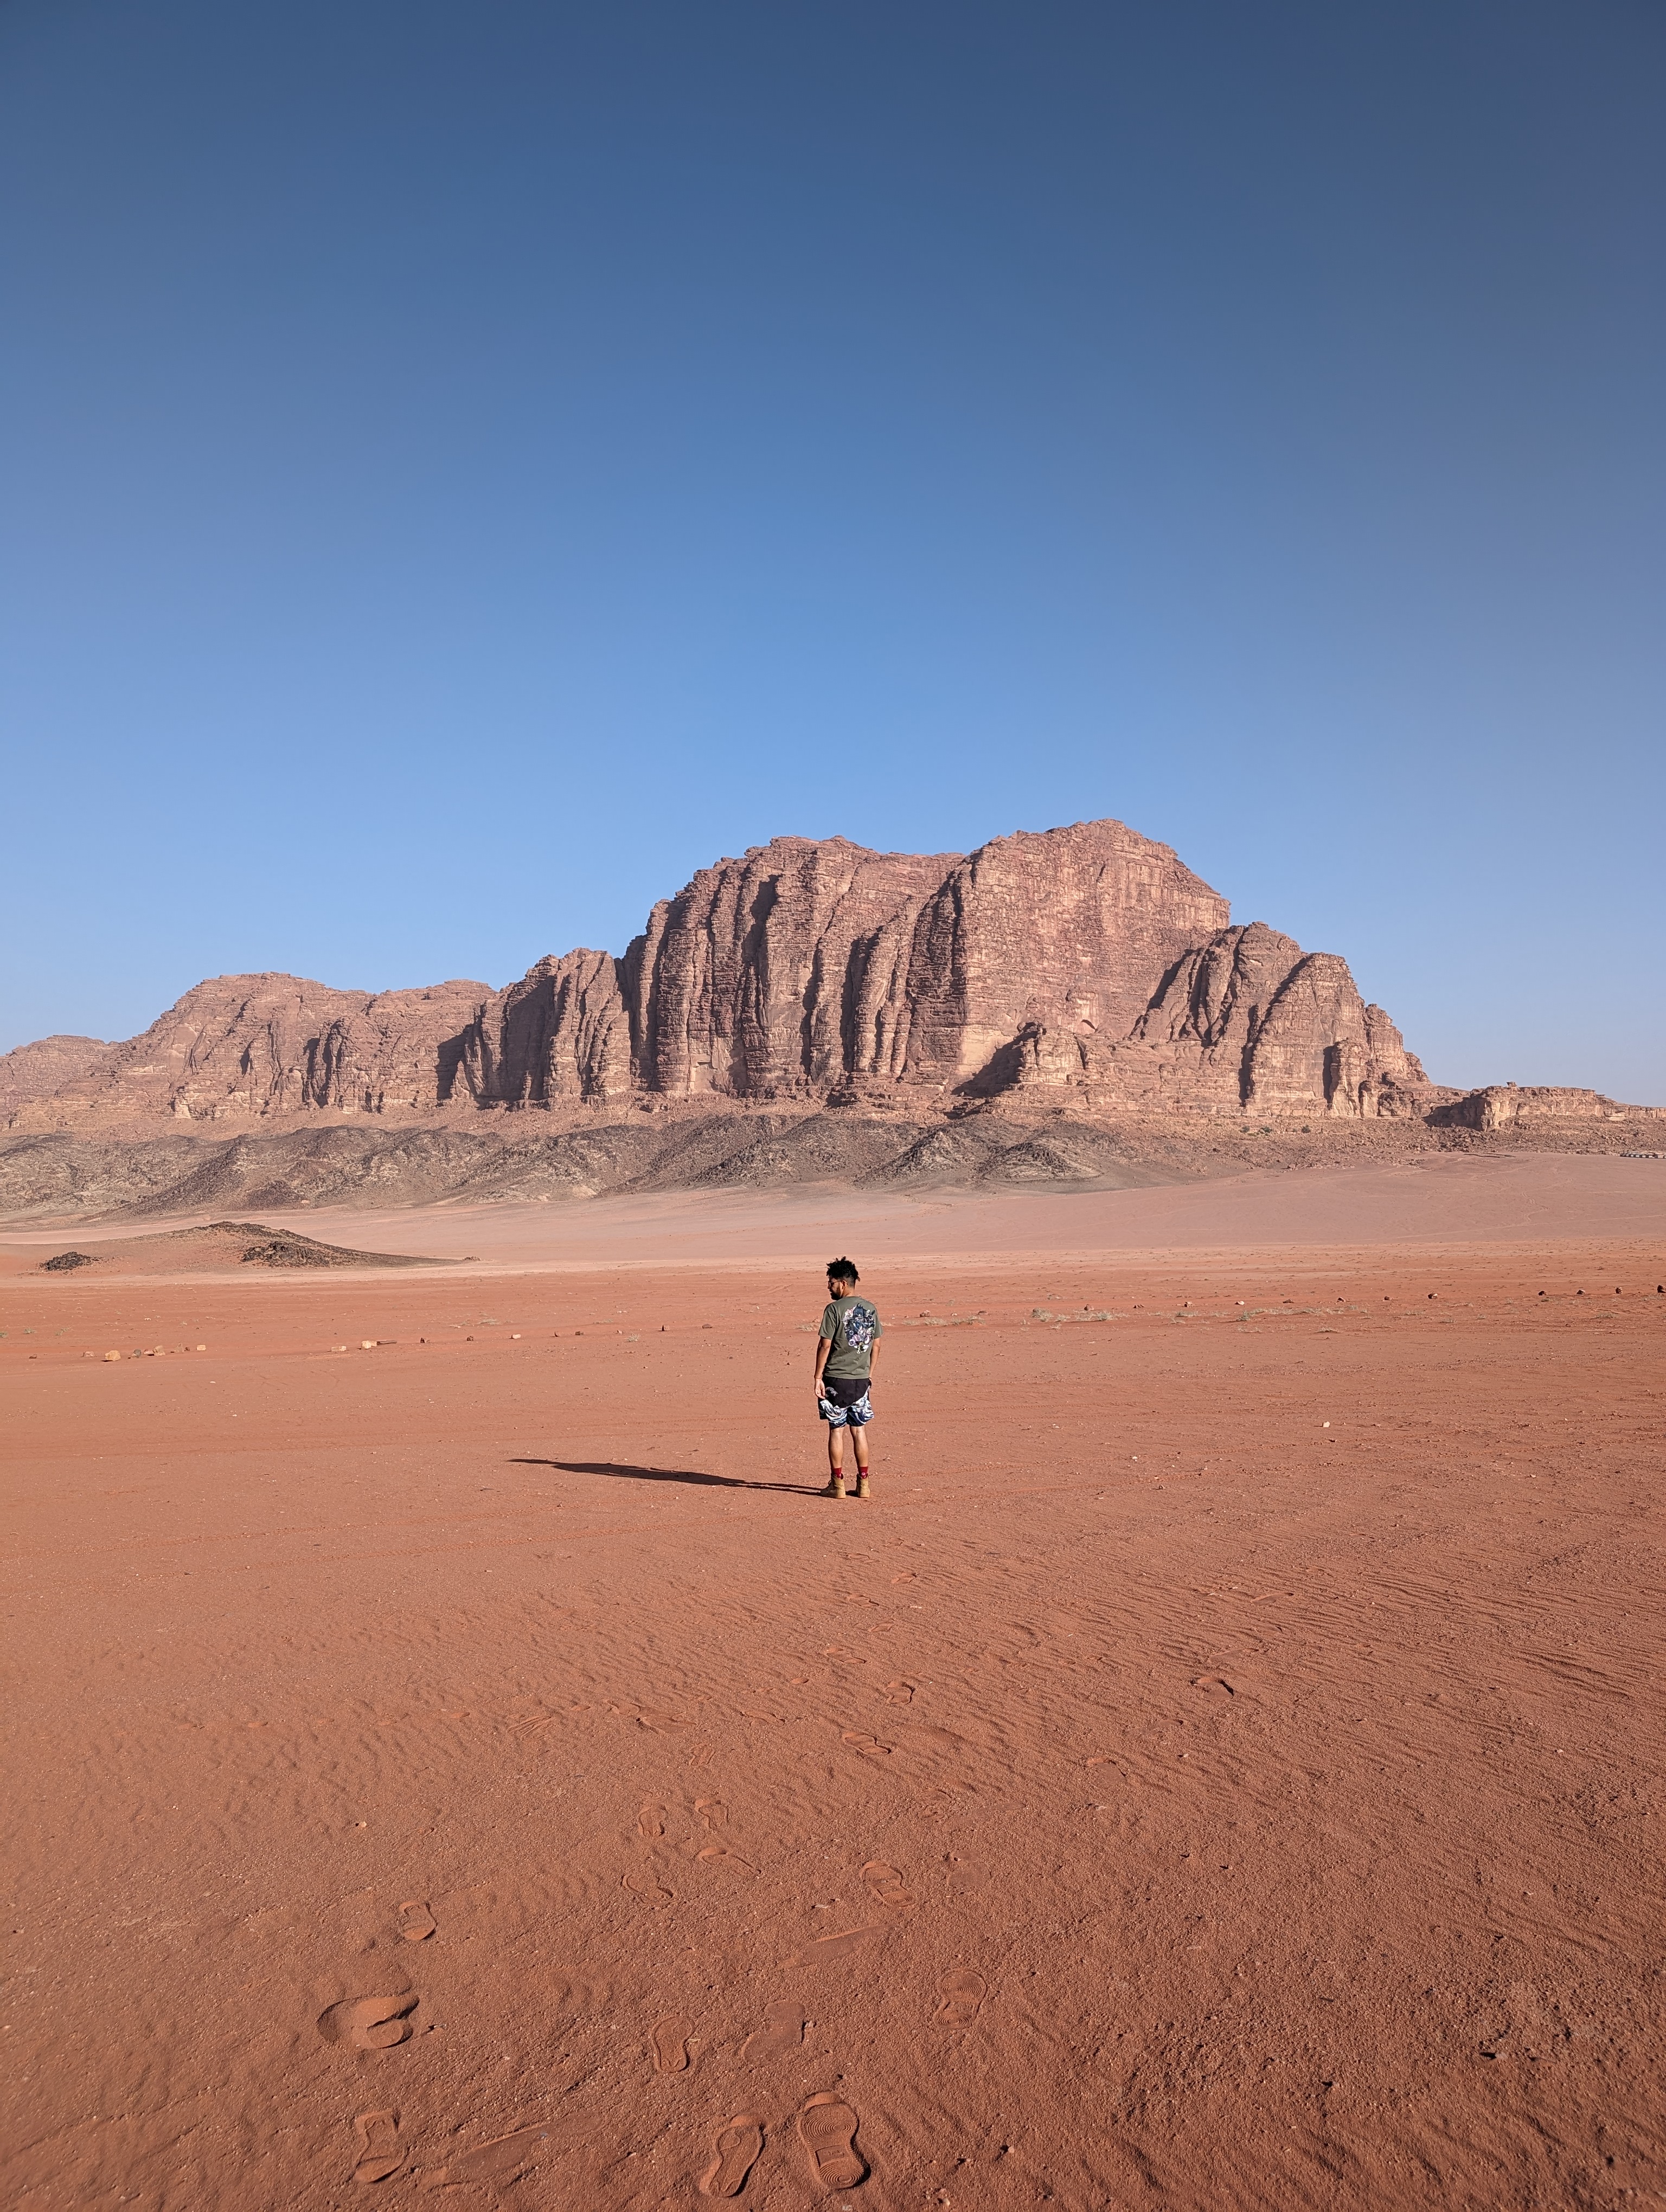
[
  {"x": 772, "y": 976},
  {"x": 1084, "y": 966},
  {"x": 244, "y": 1046},
  {"x": 559, "y": 1036},
  {"x": 36, "y": 1072}
]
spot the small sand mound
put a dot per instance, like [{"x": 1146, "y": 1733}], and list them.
[
  {"x": 282, "y": 1248},
  {"x": 227, "y": 1244}
]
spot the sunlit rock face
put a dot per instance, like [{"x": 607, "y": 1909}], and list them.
[{"x": 1085, "y": 963}]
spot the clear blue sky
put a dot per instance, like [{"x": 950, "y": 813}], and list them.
[{"x": 466, "y": 466}]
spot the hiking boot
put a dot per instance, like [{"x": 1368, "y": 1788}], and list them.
[
  {"x": 834, "y": 1486},
  {"x": 862, "y": 1489}
]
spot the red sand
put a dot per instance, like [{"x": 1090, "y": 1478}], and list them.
[{"x": 1154, "y": 1797}]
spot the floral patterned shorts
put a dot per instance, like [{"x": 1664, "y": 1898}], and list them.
[{"x": 845, "y": 1404}]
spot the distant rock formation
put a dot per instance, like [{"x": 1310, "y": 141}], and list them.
[
  {"x": 1504, "y": 1105},
  {"x": 559, "y": 1036},
  {"x": 46, "y": 1069},
  {"x": 242, "y": 1046},
  {"x": 1247, "y": 1023},
  {"x": 1086, "y": 966},
  {"x": 781, "y": 974}
]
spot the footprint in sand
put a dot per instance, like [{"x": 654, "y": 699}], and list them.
[
  {"x": 651, "y": 1822},
  {"x": 504, "y": 2158},
  {"x": 963, "y": 1991},
  {"x": 869, "y": 1746},
  {"x": 737, "y": 2147},
  {"x": 899, "y": 1693},
  {"x": 783, "y": 2030},
  {"x": 824, "y": 1948},
  {"x": 417, "y": 1923},
  {"x": 888, "y": 1886},
  {"x": 641, "y": 1883},
  {"x": 714, "y": 1813},
  {"x": 380, "y": 2155},
  {"x": 368, "y": 2023},
  {"x": 827, "y": 2127},
  {"x": 730, "y": 1861},
  {"x": 967, "y": 1878},
  {"x": 1214, "y": 1686},
  {"x": 669, "y": 2040}
]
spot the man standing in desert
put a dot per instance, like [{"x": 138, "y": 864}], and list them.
[{"x": 845, "y": 1352}]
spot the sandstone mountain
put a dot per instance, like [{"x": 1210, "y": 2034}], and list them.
[
  {"x": 1082, "y": 967},
  {"x": 1085, "y": 963}
]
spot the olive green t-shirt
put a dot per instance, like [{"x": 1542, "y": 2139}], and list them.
[{"x": 853, "y": 1324}]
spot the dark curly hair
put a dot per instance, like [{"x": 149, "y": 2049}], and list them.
[{"x": 843, "y": 1271}]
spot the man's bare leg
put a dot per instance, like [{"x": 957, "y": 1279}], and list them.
[
  {"x": 836, "y": 1461},
  {"x": 859, "y": 1439}
]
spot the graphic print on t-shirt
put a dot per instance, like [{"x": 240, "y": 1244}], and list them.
[
  {"x": 853, "y": 1327},
  {"x": 859, "y": 1327}
]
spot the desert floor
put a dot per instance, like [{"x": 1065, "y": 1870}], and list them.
[{"x": 1221, "y": 1767}]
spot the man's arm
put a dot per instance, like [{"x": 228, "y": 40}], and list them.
[{"x": 823, "y": 1345}]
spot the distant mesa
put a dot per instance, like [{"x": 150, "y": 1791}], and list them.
[
  {"x": 1083, "y": 967},
  {"x": 1503, "y": 1105}
]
